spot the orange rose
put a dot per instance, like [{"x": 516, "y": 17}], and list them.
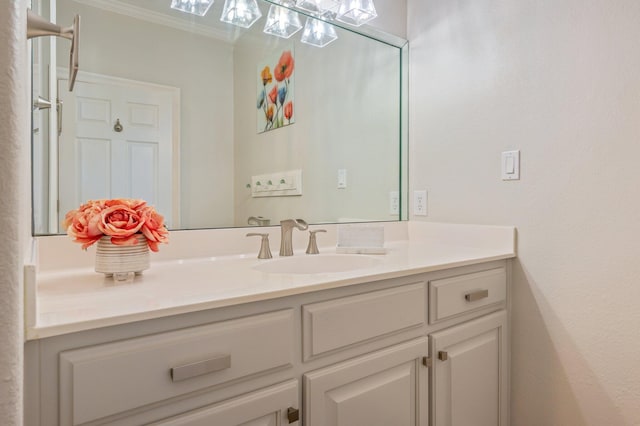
[
  {"x": 285, "y": 66},
  {"x": 82, "y": 224},
  {"x": 121, "y": 223},
  {"x": 153, "y": 227},
  {"x": 121, "y": 219}
]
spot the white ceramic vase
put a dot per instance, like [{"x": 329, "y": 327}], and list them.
[{"x": 121, "y": 261}]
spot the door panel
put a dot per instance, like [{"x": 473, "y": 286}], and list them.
[
  {"x": 388, "y": 387},
  {"x": 469, "y": 382}
]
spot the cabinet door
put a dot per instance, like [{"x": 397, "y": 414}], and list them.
[
  {"x": 265, "y": 407},
  {"x": 470, "y": 373},
  {"x": 385, "y": 388}
]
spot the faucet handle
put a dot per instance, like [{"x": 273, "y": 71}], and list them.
[
  {"x": 265, "y": 251},
  {"x": 312, "y": 248}
]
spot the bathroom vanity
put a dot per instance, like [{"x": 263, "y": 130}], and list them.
[{"x": 417, "y": 337}]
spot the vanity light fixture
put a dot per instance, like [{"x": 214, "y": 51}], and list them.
[
  {"x": 282, "y": 22},
  {"x": 243, "y": 13},
  {"x": 318, "y": 33},
  {"x": 326, "y": 9},
  {"x": 196, "y": 7},
  {"x": 356, "y": 12}
]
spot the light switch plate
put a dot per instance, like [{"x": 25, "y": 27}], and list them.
[
  {"x": 510, "y": 165},
  {"x": 342, "y": 178}
]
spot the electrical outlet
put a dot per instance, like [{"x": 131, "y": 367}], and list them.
[
  {"x": 394, "y": 203},
  {"x": 420, "y": 203}
]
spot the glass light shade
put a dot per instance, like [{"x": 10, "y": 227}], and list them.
[
  {"x": 282, "y": 22},
  {"x": 243, "y": 13},
  {"x": 196, "y": 7},
  {"x": 327, "y": 8},
  {"x": 318, "y": 33},
  {"x": 356, "y": 12}
]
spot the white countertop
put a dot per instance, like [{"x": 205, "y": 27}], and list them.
[{"x": 70, "y": 299}]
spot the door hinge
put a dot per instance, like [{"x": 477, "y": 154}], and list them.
[
  {"x": 293, "y": 414},
  {"x": 427, "y": 361}
]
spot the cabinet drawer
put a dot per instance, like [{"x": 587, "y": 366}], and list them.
[
  {"x": 342, "y": 322},
  {"x": 263, "y": 407},
  {"x": 103, "y": 380},
  {"x": 466, "y": 293}
]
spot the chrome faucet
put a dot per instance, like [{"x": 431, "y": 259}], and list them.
[
  {"x": 286, "y": 230},
  {"x": 265, "y": 251},
  {"x": 258, "y": 220}
]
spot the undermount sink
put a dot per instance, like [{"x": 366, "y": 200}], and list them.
[{"x": 317, "y": 264}]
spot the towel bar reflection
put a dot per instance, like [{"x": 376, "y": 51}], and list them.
[{"x": 37, "y": 26}]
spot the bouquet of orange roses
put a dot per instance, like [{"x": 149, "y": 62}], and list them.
[{"x": 121, "y": 219}]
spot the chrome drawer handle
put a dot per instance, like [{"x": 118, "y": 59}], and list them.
[
  {"x": 211, "y": 365},
  {"x": 476, "y": 295}
]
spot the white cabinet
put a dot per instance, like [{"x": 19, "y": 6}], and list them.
[
  {"x": 388, "y": 387},
  {"x": 362, "y": 354},
  {"x": 470, "y": 378}
]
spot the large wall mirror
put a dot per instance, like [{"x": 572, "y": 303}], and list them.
[{"x": 178, "y": 109}]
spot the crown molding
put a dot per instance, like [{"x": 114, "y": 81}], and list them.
[{"x": 117, "y": 6}]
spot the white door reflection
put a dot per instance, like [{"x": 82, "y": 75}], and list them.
[{"x": 117, "y": 141}]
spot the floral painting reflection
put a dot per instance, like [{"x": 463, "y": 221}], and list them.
[{"x": 275, "y": 102}]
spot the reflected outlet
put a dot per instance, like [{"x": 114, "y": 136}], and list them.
[{"x": 394, "y": 202}]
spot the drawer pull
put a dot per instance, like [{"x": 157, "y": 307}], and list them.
[
  {"x": 443, "y": 355},
  {"x": 476, "y": 295},
  {"x": 211, "y": 365}
]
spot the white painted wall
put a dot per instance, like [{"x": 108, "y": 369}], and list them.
[
  {"x": 144, "y": 51},
  {"x": 15, "y": 207},
  {"x": 392, "y": 17},
  {"x": 558, "y": 80}
]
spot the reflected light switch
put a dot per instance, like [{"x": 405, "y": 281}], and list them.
[{"x": 511, "y": 165}]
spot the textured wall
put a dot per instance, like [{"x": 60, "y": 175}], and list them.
[
  {"x": 13, "y": 219},
  {"x": 559, "y": 81}
]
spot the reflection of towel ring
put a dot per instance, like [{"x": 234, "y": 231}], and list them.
[{"x": 118, "y": 127}]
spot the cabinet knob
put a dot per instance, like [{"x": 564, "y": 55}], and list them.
[
  {"x": 443, "y": 355},
  {"x": 293, "y": 414}
]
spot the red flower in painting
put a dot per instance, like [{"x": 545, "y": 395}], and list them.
[
  {"x": 288, "y": 110},
  {"x": 285, "y": 66},
  {"x": 273, "y": 94}
]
